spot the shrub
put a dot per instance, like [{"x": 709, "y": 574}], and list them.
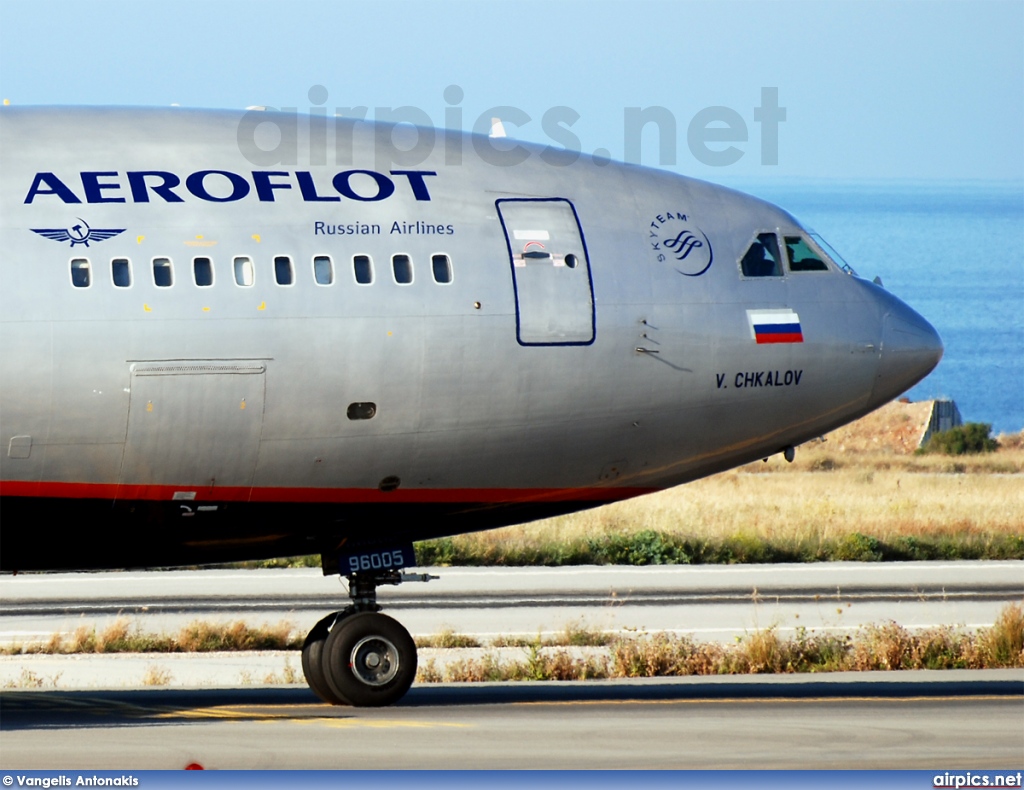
[
  {"x": 1003, "y": 644},
  {"x": 971, "y": 437},
  {"x": 882, "y": 647},
  {"x": 825, "y": 464},
  {"x": 646, "y": 547},
  {"x": 856, "y": 547}
]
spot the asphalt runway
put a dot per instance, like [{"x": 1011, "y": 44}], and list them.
[
  {"x": 953, "y": 720},
  {"x": 956, "y": 719}
]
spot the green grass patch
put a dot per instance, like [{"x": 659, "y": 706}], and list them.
[
  {"x": 648, "y": 547},
  {"x": 652, "y": 547}
]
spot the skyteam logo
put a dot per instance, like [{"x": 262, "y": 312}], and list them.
[
  {"x": 678, "y": 241},
  {"x": 79, "y": 233}
]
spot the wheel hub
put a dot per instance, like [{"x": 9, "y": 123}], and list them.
[{"x": 374, "y": 660}]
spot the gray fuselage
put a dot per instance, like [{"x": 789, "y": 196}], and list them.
[{"x": 212, "y": 381}]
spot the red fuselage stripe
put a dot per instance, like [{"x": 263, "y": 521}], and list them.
[{"x": 157, "y": 493}]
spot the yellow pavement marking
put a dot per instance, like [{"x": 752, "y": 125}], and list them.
[
  {"x": 294, "y": 715},
  {"x": 306, "y": 714},
  {"x": 240, "y": 713},
  {"x": 348, "y": 723}
]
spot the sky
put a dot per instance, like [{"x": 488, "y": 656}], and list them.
[{"x": 901, "y": 89}]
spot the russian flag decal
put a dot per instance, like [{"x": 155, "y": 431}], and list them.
[{"x": 775, "y": 326}]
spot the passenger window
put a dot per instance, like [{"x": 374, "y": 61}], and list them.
[
  {"x": 323, "y": 269},
  {"x": 801, "y": 257},
  {"x": 401, "y": 266},
  {"x": 202, "y": 271},
  {"x": 283, "y": 270},
  {"x": 121, "y": 272},
  {"x": 442, "y": 267},
  {"x": 244, "y": 273},
  {"x": 762, "y": 259},
  {"x": 163, "y": 273},
  {"x": 81, "y": 274},
  {"x": 362, "y": 268}
]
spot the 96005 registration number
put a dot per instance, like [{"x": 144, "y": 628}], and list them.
[{"x": 361, "y": 559}]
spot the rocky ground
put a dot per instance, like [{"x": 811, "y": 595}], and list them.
[{"x": 896, "y": 427}]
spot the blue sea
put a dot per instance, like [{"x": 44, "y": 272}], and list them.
[{"x": 954, "y": 251}]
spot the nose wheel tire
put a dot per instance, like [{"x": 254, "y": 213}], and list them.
[
  {"x": 369, "y": 660},
  {"x": 312, "y": 660}
]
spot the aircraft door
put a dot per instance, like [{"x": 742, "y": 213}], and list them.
[
  {"x": 550, "y": 272},
  {"x": 194, "y": 423}
]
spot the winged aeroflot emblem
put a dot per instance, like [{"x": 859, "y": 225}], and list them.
[{"x": 79, "y": 233}]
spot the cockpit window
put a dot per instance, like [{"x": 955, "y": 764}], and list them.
[
  {"x": 762, "y": 259},
  {"x": 830, "y": 252},
  {"x": 801, "y": 257}
]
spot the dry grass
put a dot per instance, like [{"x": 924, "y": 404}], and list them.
[
  {"x": 198, "y": 637},
  {"x": 1011, "y": 441},
  {"x": 877, "y": 647},
  {"x": 862, "y": 479},
  {"x": 967, "y": 506},
  {"x": 888, "y": 646},
  {"x": 447, "y": 638},
  {"x": 1003, "y": 644},
  {"x": 289, "y": 676},
  {"x": 539, "y": 664},
  {"x": 156, "y": 676},
  {"x": 30, "y": 680},
  {"x": 122, "y": 636},
  {"x": 574, "y": 634}
]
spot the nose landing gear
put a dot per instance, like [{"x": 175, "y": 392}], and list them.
[
  {"x": 369, "y": 660},
  {"x": 359, "y": 656}
]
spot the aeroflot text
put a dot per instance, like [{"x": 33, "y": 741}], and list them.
[{"x": 223, "y": 186}]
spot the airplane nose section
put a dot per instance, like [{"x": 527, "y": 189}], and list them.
[{"x": 911, "y": 348}]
